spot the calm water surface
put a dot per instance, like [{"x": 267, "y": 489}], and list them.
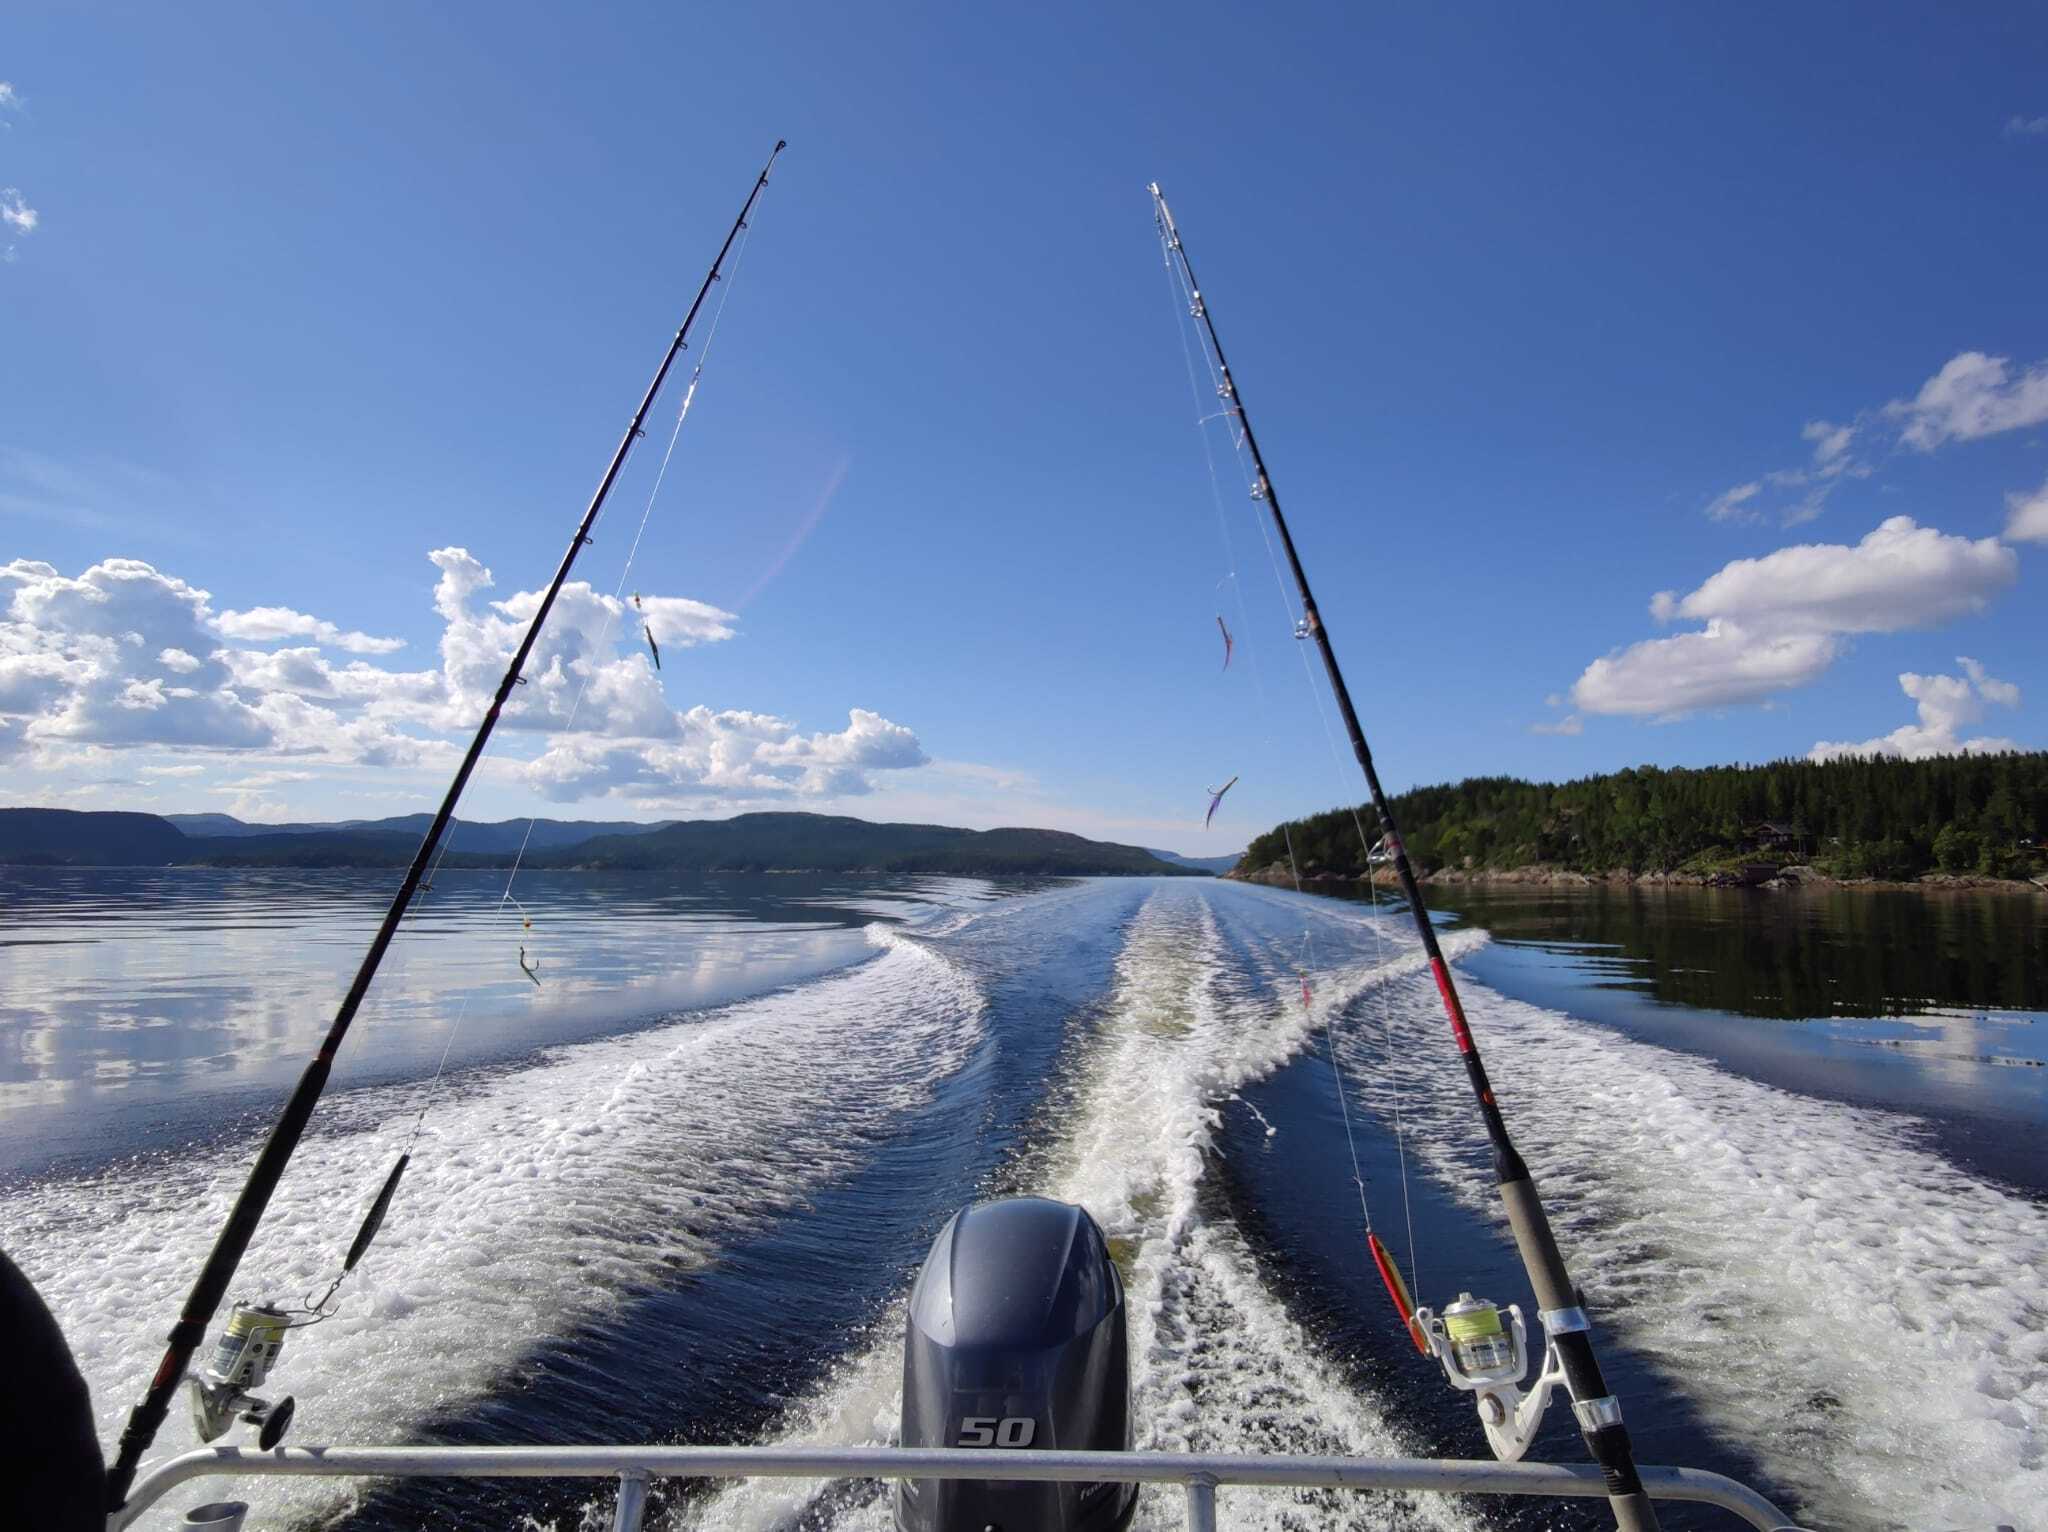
[
  {"x": 1931, "y": 1004},
  {"x": 138, "y": 1001}
]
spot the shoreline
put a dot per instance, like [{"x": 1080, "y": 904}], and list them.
[{"x": 1771, "y": 880}]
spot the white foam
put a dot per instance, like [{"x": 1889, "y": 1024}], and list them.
[
  {"x": 1868, "y": 1319},
  {"x": 1217, "y": 1365},
  {"x": 537, "y": 1199}
]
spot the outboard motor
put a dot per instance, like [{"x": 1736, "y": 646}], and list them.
[{"x": 1016, "y": 1340}]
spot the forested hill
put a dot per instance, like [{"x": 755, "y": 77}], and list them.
[
  {"x": 750, "y": 842},
  {"x": 832, "y": 843},
  {"x": 1852, "y": 818}
]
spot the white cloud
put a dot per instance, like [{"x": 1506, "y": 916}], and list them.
[
  {"x": 1734, "y": 504},
  {"x": 1829, "y": 441},
  {"x": 1775, "y": 623},
  {"x": 1900, "y": 575},
  {"x": 16, "y": 213},
  {"x": 1571, "y": 723},
  {"x": 259, "y": 779},
  {"x": 1945, "y": 705},
  {"x": 574, "y": 677},
  {"x": 124, "y": 657},
  {"x": 103, "y": 639},
  {"x": 10, "y": 98},
  {"x": 2026, "y": 518},
  {"x": 1720, "y": 666},
  {"x": 733, "y": 755},
  {"x": 1973, "y": 395},
  {"x": 2003, "y": 693},
  {"x": 2017, "y": 126},
  {"x": 265, "y": 624}
]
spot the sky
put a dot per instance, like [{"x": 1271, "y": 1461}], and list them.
[{"x": 1643, "y": 385}]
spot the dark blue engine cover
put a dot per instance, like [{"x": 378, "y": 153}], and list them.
[{"x": 1016, "y": 1340}]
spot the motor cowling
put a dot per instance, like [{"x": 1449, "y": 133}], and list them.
[{"x": 1016, "y": 1340}]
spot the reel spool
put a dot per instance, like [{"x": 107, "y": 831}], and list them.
[
  {"x": 1483, "y": 1357},
  {"x": 242, "y": 1359}
]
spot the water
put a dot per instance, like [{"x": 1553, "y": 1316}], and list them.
[{"x": 677, "y": 1192}]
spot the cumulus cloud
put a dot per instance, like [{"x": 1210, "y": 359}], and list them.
[
  {"x": 574, "y": 678},
  {"x": 111, "y": 658},
  {"x": 1945, "y": 704},
  {"x": 266, "y": 624},
  {"x": 124, "y": 656},
  {"x": 1775, "y": 623},
  {"x": 1973, "y": 395},
  {"x": 1719, "y": 666},
  {"x": 731, "y": 755},
  {"x": 2026, "y": 519},
  {"x": 1901, "y": 575}
]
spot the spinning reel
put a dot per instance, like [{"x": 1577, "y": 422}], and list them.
[
  {"x": 1484, "y": 1358},
  {"x": 242, "y": 1359}
]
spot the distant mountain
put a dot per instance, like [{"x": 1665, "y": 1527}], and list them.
[
  {"x": 470, "y": 835},
  {"x": 833, "y": 843},
  {"x": 751, "y": 842},
  {"x": 1215, "y": 864},
  {"x": 77, "y": 838},
  {"x": 219, "y": 824}
]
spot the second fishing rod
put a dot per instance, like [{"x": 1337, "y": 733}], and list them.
[{"x": 1565, "y": 1324}]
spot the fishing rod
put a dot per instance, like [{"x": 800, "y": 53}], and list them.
[
  {"x": 200, "y": 1305},
  {"x": 1568, "y": 1331}
]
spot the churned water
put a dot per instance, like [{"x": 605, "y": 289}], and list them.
[{"x": 677, "y": 1192}]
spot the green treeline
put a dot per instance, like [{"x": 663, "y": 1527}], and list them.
[{"x": 1852, "y": 818}]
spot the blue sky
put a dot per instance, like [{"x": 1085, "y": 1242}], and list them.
[{"x": 1522, "y": 304}]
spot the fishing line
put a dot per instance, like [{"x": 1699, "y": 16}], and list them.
[
  {"x": 1188, "y": 305},
  {"x": 1468, "y": 1338},
  {"x": 245, "y": 1215},
  {"x": 506, "y": 901}
]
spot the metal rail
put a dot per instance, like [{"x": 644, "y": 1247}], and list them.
[{"x": 1198, "y": 1474}]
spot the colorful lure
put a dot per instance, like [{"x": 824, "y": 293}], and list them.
[
  {"x": 1229, "y": 643},
  {"x": 531, "y": 970},
  {"x": 1397, "y": 1290},
  {"x": 1216, "y": 797}
]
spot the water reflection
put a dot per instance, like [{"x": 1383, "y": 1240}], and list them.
[
  {"x": 1792, "y": 954},
  {"x": 1935, "y": 1005},
  {"x": 133, "y": 987}
]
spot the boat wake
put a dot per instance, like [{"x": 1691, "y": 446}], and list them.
[
  {"x": 1217, "y": 1363},
  {"x": 539, "y": 1199},
  {"x": 1866, "y": 1318}
]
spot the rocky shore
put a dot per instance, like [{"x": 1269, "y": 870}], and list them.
[{"x": 1757, "y": 876}]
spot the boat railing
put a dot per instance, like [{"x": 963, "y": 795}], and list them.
[{"x": 1199, "y": 1475}]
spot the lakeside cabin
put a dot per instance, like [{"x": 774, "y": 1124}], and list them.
[{"x": 1775, "y": 837}]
